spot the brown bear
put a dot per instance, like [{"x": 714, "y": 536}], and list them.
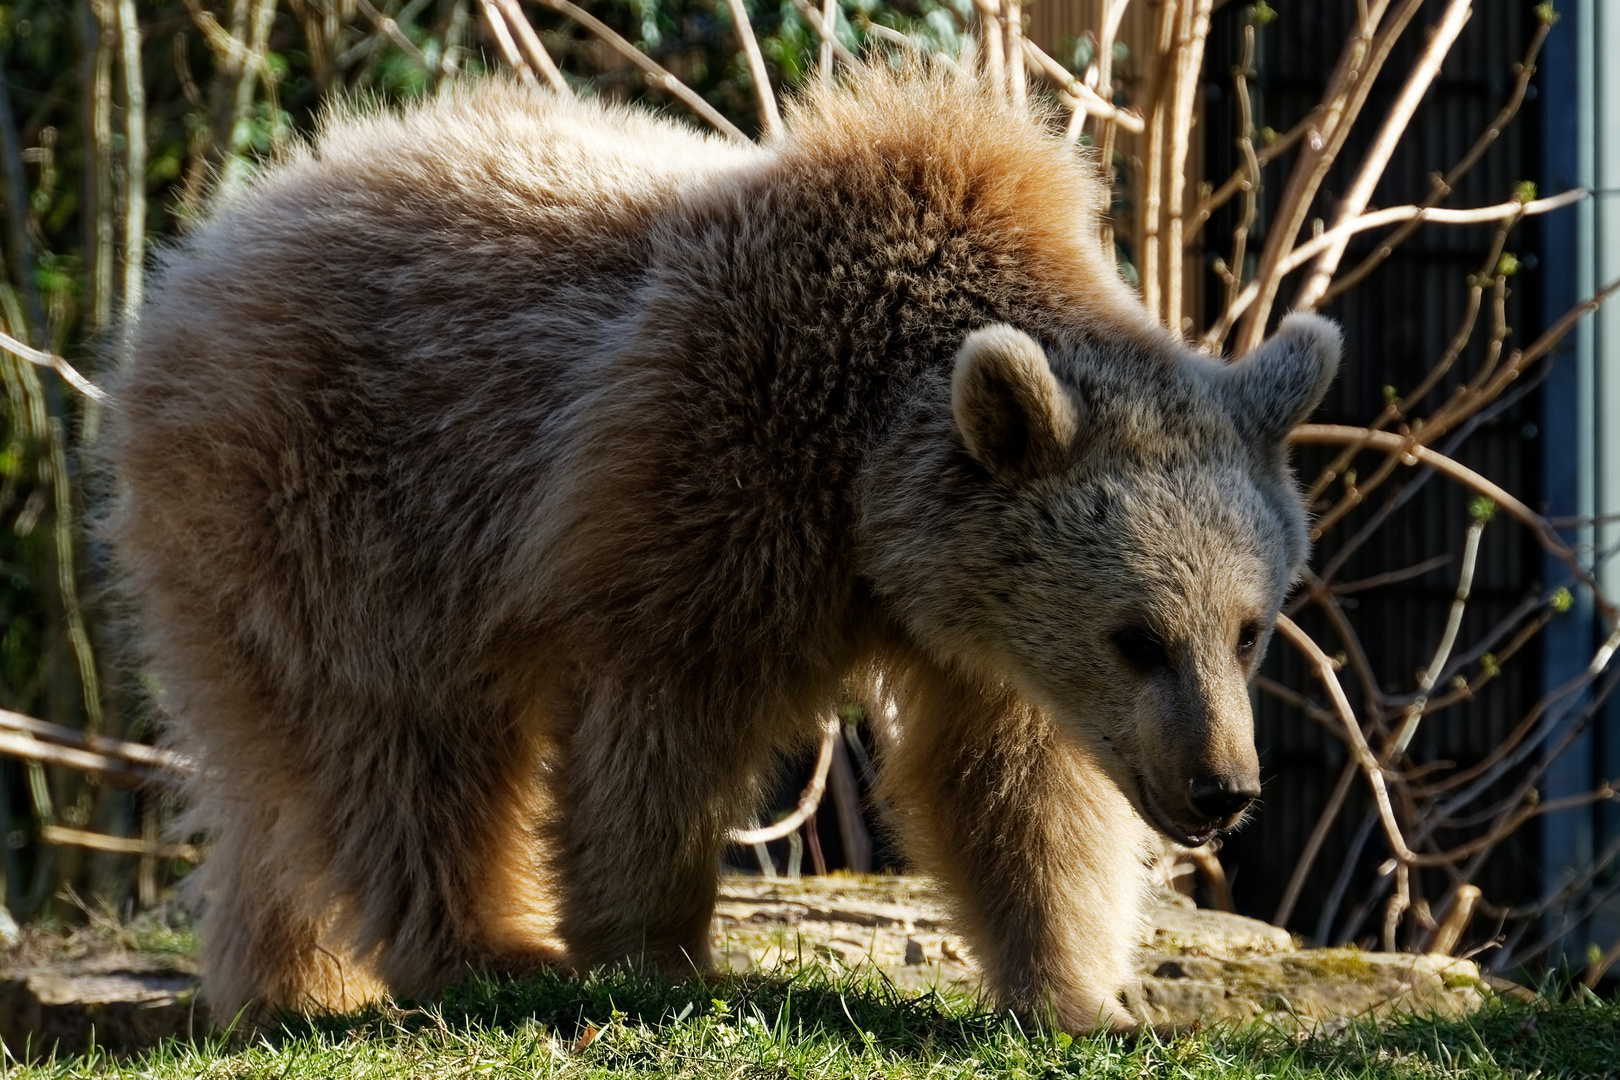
[{"x": 506, "y": 484}]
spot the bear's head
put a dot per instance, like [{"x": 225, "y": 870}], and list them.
[{"x": 1112, "y": 528}]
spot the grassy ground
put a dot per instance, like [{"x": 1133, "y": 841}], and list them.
[{"x": 810, "y": 1024}]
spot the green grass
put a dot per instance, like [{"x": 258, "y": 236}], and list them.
[{"x": 810, "y": 1024}]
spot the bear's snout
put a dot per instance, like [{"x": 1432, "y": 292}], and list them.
[{"x": 1219, "y": 798}]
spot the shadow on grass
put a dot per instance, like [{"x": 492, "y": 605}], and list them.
[
  {"x": 864, "y": 1016},
  {"x": 799, "y": 1002}
]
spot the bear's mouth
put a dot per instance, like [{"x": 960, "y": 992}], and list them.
[{"x": 1181, "y": 834}]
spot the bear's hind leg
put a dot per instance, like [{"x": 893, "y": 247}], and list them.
[
  {"x": 1043, "y": 854},
  {"x": 394, "y": 853},
  {"x": 433, "y": 830},
  {"x": 267, "y": 921}
]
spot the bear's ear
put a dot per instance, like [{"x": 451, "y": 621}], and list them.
[
  {"x": 1280, "y": 383},
  {"x": 1015, "y": 417}
]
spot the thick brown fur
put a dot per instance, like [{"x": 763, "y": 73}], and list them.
[{"x": 506, "y": 485}]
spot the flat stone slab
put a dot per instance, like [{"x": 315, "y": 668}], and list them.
[
  {"x": 1198, "y": 967},
  {"x": 120, "y": 1002}
]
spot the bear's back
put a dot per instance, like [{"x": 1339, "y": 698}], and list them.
[{"x": 406, "y": 283}]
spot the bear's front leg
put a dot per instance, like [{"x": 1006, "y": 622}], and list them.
[{"x": 1041, "y": 852}]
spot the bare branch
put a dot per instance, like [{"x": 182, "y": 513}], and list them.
[
  {"x": 656, "y": 75},
  {"x": 390, "y": 30},
  {"x": 1077, "y": 94},
  {"x": 1183, "y": 95},
  {"x": 827, "y": 34},
  {"x": 1152, "y": 199},
  {"x": 1234, "y": 183},
  {"x": 1442, "y": 186},
  {"x": 769, "y": 119},
  {"x": 1313, "y": 844},
  {"x": 1376, "y": 219},
  {"x": 496, "y": 22},
  {"x": 56, "y": 364},
  {"x": 1412, "y": 453},
  {"x": 1358, "y": 743},
  {"x": 1016, "y": 54},
  {"x": 150, "y": 757},
  {"x": 829, "y": 19},
  {"x": 118, "y": 845},
  {"x": 1383, "y": 147},
  {"x": 532, "y": 47},
  {"x": 1442, "y": 652},
  {"x": 808, "y": 801},
  {"x": 104, "y": 765},
  {"x": 134, "y": 162},
  {"x": 995, "y": 54},
  {"x": 1393, "y": 577},
  {"x": 1359, "y": 64}
]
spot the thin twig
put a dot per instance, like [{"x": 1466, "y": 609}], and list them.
[
  {"x": 119, "y": 845},
  {"x": 134, "y": 162},
  {"x": 140, "y": 754},
  {"x": 56, "y": 364},
  {"x": 656, "y": 75},
  {"x": 1376, "y": 219},
  {"x": 1442, "y": 652},
  {"x": 115, "y": 769},
  {"x": 808, "y": 801},
  {"x": 769, "y": 118},
  {"x": 1313, "y": 845},
  {"x": 1382, "y": 149},
  {"x": 1233, "y": 273},
  {"x": 1264, "y": 156},
  {"x": 389, "y": 29},
  {"x": 1479, "y": 649},
  {"x": 1355, "y": 653},
  {"x": 1443, "y": 185},
  {"x": 1297, "y": 700},
  {"x": 1412, "y": 453},
  {"x": 1084, "y": 98},
  {"x": 1393, "y": 408},
  {"x": 533, "y": 48},
  {"x": 1363, "y": 754},
  {"x": 1359, "y": 64},
  {"x": 827, "y": 35},
  {"x": 1392, "y": 577},
  {"x": 1341, "y": 882},
  {"x": 498, "y": 29}
]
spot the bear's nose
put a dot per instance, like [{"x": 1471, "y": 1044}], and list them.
[{"x": 1218, "y": 797}]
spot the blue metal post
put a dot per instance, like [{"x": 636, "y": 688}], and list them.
[{"x": 1581, "y": 131}]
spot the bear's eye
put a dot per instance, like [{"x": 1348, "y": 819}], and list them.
[
  {"x": 1248, "y": 638},
  {"x": 1141, "y": 648}
]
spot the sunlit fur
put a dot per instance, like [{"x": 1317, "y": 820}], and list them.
[{"x": 505, "y": 485}]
